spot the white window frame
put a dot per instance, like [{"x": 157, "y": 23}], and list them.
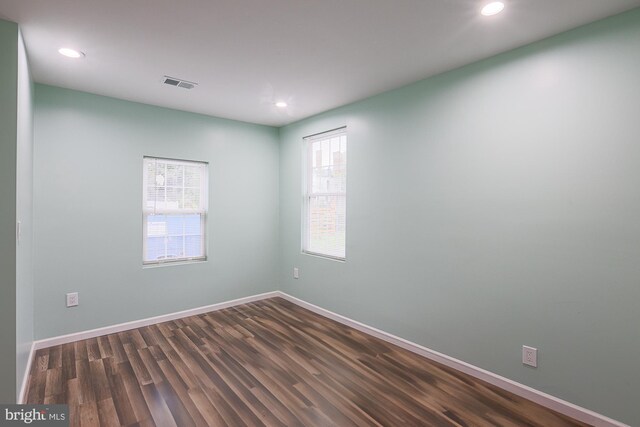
[
  {"x": 203, "y": 212},
  {"x": 308, "y": 193}
]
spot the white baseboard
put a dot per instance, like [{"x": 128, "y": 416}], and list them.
[
  {"x": 22, "y": 397},
  {"x": 566, "y": 408},
  {"x": 77, "y": 336}
]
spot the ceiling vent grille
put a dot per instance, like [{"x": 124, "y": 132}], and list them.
[{"x": 184, "y": 84}]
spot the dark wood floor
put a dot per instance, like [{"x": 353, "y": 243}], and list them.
[{"x": 265, "y": 363}]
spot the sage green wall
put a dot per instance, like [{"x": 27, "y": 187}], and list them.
[
  {"x": 24, "y": 261},
  {"x": 8, "y": 135},
  {"x": 494, "y": 206},
  {"x": 88, "y": 210}
]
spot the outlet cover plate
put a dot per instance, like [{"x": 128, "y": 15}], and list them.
[
  {"x": 296, "y": 273},
  {"x": 72, "y": 299},
  {"x": 530, "y": 356}
]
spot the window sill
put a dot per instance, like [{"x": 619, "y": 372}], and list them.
[
  {"x": 169, "y": 263},
  {"x": 327, "y": 257}
]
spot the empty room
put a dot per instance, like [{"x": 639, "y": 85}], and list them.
[{"x": 320, "y": 213}]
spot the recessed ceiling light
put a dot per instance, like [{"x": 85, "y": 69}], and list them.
[
  {"x": 492, "y": 8},
  {"x": 70, "y": 53},
  {"x": 281, "y": 104}
]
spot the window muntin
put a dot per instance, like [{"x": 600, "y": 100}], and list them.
[
  {"x": 174, "y": 210},
  {"x": 324, "y": 222}
]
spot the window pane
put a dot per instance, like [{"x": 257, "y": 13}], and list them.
[
  {"x": 192, "y": 198},
  {"x": 155, "y": 248},
  {"x": 328, "y": 174},
  {"x": 150, "y": 172},
  {"x": 192, "y": 176},
  {"x": 192, "y": 225},
  {"x": 174, "y": 237},
  {"x": 154, "y": 194},
  {"x": 327, "y": 218},
  {"x": 193, "y": 246},
  {"x": 156, "y": 226},
  {"x": 175, "y": 225},
  {"x": 175, "y": 247},
  {"x": 159, "y": 178},
  {"x": 174, "y": 198},
  {"x": 175, "y": 175},
  {"x": 172, "y": 185}
]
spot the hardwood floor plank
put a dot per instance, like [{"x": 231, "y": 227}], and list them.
[
  {"x": 333, "y": 412},
  {"x": 100, "y": 382},
  {"x": 158, "y": 407},
  {"x": 134, "y": 392},
  {"x": 107, "y": 413},
  {"x": 93, "y": 349},
  {"x": 87, "y": 393},
  {"x": 72, "y": 398},
  {"x": 148, "y": 336},
  {"x": 151, "y": 365},
  {"x": 140, "y": 370},
  {"x": 56, "y": 399},
  {"x": 80, "y": 350},
  {"x": 169, "y": 374},
  {"x": 205, "y": 407},
  {"x": 89, "y": 415},
  {"x": 55, "y": 357},
  {"x": 277, "y": 407},
  {"x": 137, "y": 339},
  {"x": 179, "y": 412},
  {"x": 42, "y": 359},
  {"x": 265, "y": 363},
  {"x": 116, "y": 348},
  {"x": 229, "y": 416},
  {"x": 121, "y": 401},
  {"x": 54, "y": 382},
  {"x": 37, "y": 386},
  {"x": 68, "y": 361},
  {"x": 104, "y": 346}
]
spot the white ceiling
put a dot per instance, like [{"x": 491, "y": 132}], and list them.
[{"x": 246, "y": 54}]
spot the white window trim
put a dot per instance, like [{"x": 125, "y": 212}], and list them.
[
  {"x": 306, "y": 194},
  {"x": 202, "y": 212}
]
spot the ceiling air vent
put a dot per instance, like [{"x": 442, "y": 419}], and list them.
[{"x": 172, "y": 81}]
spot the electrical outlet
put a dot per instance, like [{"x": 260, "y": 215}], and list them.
[
  {"x": 530, "y": 356},
  {"x": 296, "y": 273},
  {"x": 72, "y": 299}
]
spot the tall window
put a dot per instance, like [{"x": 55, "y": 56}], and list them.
[
  {"x": 325, "y": 212},
  {"x": 174, "y": 210}
]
